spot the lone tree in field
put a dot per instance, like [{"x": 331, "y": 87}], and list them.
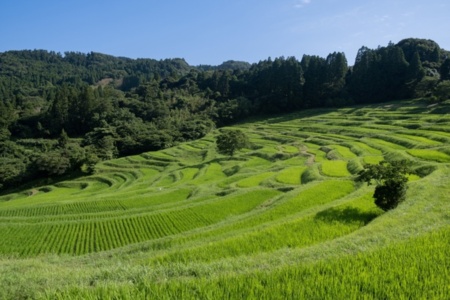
[
  {"x": 391, "y": 181},
  {"x": 229, "y": 141}
]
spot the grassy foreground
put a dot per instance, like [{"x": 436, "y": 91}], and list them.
[{"x": 281, "y": 220}]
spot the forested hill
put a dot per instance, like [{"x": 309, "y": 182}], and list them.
[{"x": 59, "y": 112}]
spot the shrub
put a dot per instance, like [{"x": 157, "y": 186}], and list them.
[{"x": 391, "y": 182}]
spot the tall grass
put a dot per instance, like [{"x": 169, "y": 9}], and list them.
[{"x": 414, "y": 269}]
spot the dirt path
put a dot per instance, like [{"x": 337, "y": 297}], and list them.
[{"x": 311, "y": 157}]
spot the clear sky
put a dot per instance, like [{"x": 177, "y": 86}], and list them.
[{"x": 213, "y": 31}]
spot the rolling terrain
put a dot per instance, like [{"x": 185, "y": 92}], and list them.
[{"x": 282, "y": 219}]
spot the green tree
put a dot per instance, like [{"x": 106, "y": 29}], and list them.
[
  {"x": 415, "y": 69},
  {"x": 315, "y": 77},
  {"x": 391, "y": 181},
  {"x": 90, "y": 161},
  {"x": 442, "y": 91},
  {"x": 7, "y": 115},
  {"x": 59, "y": 110},
  {"x": 336, "y": 69},
  {"x": 12, "y": 170},
  {"x": 63, "y": 139},
  {"x": 102, "y": 139},
  {"x": 53, "y": 163},
  {"x": 445, "y": 69},
  {"x": 229, "y": 141}
]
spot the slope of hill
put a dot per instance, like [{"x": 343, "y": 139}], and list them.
[
  {"x": 102, "y": 107},
  {"x": 283, "y": 219}
]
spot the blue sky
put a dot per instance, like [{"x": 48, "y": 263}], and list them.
[{"x": 213, "y": 31}]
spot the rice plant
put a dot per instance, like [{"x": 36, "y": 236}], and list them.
[
  {"x": 428, "y": 154},
  {"x": 283, "y": 219},
  {"x": 335, "y": 168}
]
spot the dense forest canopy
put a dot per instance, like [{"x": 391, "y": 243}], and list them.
[{"x": 61, "y": 112}]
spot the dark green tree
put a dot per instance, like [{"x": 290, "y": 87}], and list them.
[
  {"x": 59, "y": 110},
  {"x": 11, "y": 171},
  {"x": 229, "y": 141},
  {"x": 415, "y": 69},
  {"x": 90, "y": 161},
  {"x": 63, "y": 139},
  {"x": 223, "y": 85},
  {"x": 53, "y": 163},
  {"x": 102, "y": 141},
  {"x": 7, "y": 115},
  {"x": 445, "y": 69},
  {"x": 81, "y": 110},
  {"x": 315, "y": 77},
  {"x": 391, "y": 181},
  {"x": 394, "y": 73},
  {"x": 442, "y": 91},
  {"x": 336, "y": 69}
]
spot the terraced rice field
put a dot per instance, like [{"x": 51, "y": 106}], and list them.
[{"x": 283, "y": 219}]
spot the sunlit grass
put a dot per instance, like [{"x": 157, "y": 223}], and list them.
[
  {"x": 344, "y": 152},
  {"x": 335, "y": 168},
  {"x": 368, "y": 149},
  {"x": 373, "y": 159},
  {"x": 428, "y": 154},
  {"x": 291, "y": 175},
  {"x": 420, "y": 139},
  {"x": 289, "y": 149},
  {"x": 383, "y": 143},
  {"x": 256, "y": 162},
  {"x": 254, "y": 180}
]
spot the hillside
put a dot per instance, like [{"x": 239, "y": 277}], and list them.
[
  {"x": 60, "y": 114},
  {"x": 282, "y": 219}
]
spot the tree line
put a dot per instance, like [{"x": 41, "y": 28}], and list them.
[{"x": 62, "y": 112}]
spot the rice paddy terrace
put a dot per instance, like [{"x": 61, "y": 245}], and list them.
[{"x": 283, "y": 219}]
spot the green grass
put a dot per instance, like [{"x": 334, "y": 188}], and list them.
[
  {"x": 384, "y": 144},
  {"x": 102, "y": 234},
  {"x": 289, "y": 149},
  {"x": 420, "y": 139},
  {"x": 213, "y": 173},
  {"x": 256, "y": 162},
  {"x": 301, "y": 232},
  {"x": 318, "y": 154},
  {"x": 254, "y": 180},
  {"x": 373, "y": 159},
  {"x": 398, "y": 271},
  {"x": 281, "y": 220},
  {"x": 367, "y": 149},
  {"x": 335, "y": 168},
  {"x": 291, "y": 175},
  {"x": 344, "y": 152},
  {"x": 427, "y": 154}
]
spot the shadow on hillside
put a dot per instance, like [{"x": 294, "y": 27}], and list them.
[
  {"x": 355, "y": 110},
  {"x": 227, "y": 159},
  {"x": 42, "y": 184},
  {"x": 284, "y": 117},
  {"x": 345, "y": 215},
  {"x": 308, "y": 113}
]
